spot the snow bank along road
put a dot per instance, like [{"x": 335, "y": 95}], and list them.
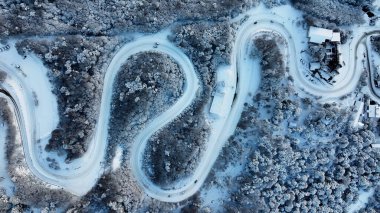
[{"x": 246, "y": 75}]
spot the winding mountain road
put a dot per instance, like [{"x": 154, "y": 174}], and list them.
[
  {"x": 248, "y": 79},
  {"x": 374, "y": 92},
  {"x": 80, "y": 180},
  {"x": 245, "y": 74}
]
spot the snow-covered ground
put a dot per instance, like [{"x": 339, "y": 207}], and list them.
[
  {"x": 212, "y": 196},
  {"x": 376, "y": 3},
  {"x": 30, "y": 72},
  {"x": 28, "y": 78},
  {"x": 28, "y": 83},
  {"x": 116, "y": 161},
  {"x": 361, "y": 202}
]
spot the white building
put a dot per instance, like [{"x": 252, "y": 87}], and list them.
[
  {"x": 325, "y": 75},
  {"x": 314, "y": 66},
  {"x": 217, "y": 104},
  {"x": 374, "y": 111},
  {"x": 320, "y": 35},
  {"x": 375, "y": 145},
  {"x": 335, "y": 37}
]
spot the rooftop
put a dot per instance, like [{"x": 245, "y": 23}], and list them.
[
  {"x": 374, "y": 111},
  {"x": 315, "y": 66},
  {"x": 335, "y": 37},
  {"x": 217, "y": 105},
  {"x": 320, "y": 35}
]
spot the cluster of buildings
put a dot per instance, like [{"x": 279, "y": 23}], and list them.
[
  {"x": 328, "y": 42},
  {"x": 368, "y": 108},
  {"x": 373, "y": 110}
]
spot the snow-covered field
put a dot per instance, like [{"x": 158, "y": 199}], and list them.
[
  {"x": 31, "y": 74},
  {"x": 361, "y": 202}
]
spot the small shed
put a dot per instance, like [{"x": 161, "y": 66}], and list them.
[
  {"x": 325, "y": 75},
  {"x": 314, "y": 66},
  {"x": 374, "y": 111},
  {"x": 217, "y": 104}
]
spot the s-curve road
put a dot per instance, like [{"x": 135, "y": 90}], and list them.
[
  {"x": 246, "y": 77},
  {"x": 80, "y": 180}
]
